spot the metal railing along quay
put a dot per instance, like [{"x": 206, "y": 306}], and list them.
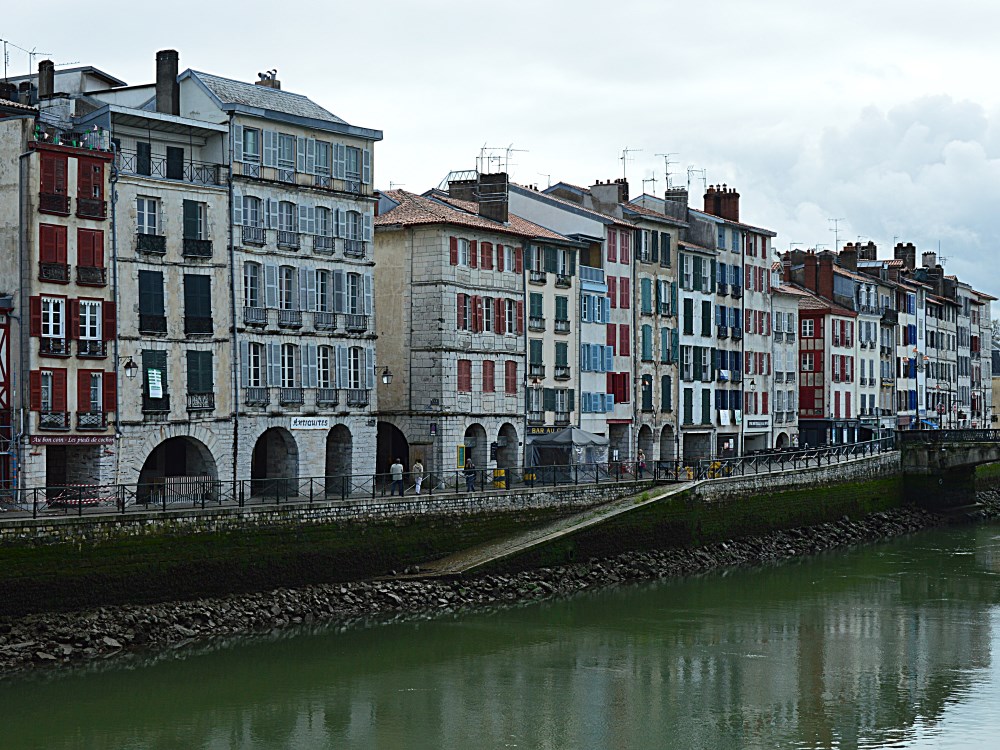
[{"x": 181, "y": 493}]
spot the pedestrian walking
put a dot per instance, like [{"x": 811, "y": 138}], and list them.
[
  {"x": 417, "y": 470},
  {"x": 396, "y": 472},
  {"x": 470, "y": 476},
  {"x": 641, "y": 463}
]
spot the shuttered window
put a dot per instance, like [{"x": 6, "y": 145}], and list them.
[
  {"x": 151, "y": 293},
  {"x": 464, "y": 376},
  {"x": 53, "y": 173},
  {"x": 199, "y": 372}
]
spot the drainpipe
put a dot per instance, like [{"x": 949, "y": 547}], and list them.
[
  {"x": 114, "y": 295},
  {"x": 25, "y": 172},
  {"x": 234, "y": 344}
]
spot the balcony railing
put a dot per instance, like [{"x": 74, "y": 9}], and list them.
[
  {"x": 255, "y": 316},
  {"x": 737, "y": 291},
  {"x": 290, "y": 396},
  {"x": 197, "y": 325},
  {"x": 561, "y": 372},
  {"x": 562, "y": 417},
  {"x": 91, "y": 276},
  {"x": 256, "y": 396},
  {"x": 536, "y": 417},
  {"x": 536, "y": 370},
  {"x": 152, "y": 323},
  {"x": 53, "y": 420},
  {"x": 54, "y": 347},
  {"x": 288, "y": 240},
  {"x": 91, "y": 208},
  {"x": 152, "y": 405},
  {"x": 290, "y": 318},
  {"x": 323, "y": 244},
  {"x": 722, "y": 332},
  {"x": 563, "y": 281},
  {"x": 737, "y": 333},
  {"x": 200, "y": 401},
  {"x": 254, "y": 236},
  {"x": 357, "y": 397},
  {"x": 356, "y": 323},
  {"x": 196, "y": 248},
  {"x": 325, "y": 321},
  {"x": 561, "y": 326},
  {"x": 91, "y": 420},
  {"x": 91, "y": 348},
  {"x": 53, "y": 203},
  {"x": 57, "y": 272},
  {"x": 589, "y": 273},
  {"x": 197, "y": 172},
  {"x": 154, "y": 244},
  {"x": 536, "y": 323},
  {"x": 327, "y": 397},
  {"x": 723, "y": 288},
  {"x": 354, "y": 248},
  {"x": 536, "y": 277}
]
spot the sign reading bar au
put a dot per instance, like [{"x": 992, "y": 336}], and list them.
[{"x": 310, "y": 423}]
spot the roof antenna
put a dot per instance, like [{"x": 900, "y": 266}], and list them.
[
  {"x": 649, "y": 179},
  {"x": 666, "y": 166},
  {"x": 704, "y": 177},
  {"x": 625, "y": 158},
  {"x": 836, "y": 232}
]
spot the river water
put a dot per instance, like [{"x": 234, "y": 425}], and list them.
[{"x": 889, "y": 645}]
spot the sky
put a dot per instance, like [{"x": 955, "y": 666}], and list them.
[{"x": 882, "y": 114}]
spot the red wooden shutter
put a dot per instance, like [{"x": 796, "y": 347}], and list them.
[
  {"x": 746, "y": 276},
  {"x": 488, "y": 379},
  {"x": 610, "y": 384},
  {"x": 60, "y": 245},
  {"x": 520, "y": 316},
  {"x": 84, "y": 179},
  {"x": 748, "y": 364},
  {"x": 473, "y": 254},
  {"x": 500, "y": 309},
  {"x": 623, "y": 288},
  {"x": 626, "y": 388},
  {"x": 110, "y": 387},
  {"x": 35, "y": 316},
  {"x": 453, "y": 248},
  {"x": 460, "y": 321},
  {"x": 613, "y": 290},
  {"x": 98, "y": 248},
  {"x": 768, "y": 358},
  {"x": 612, "y": 336},
  {"x": 83, "y": 390},
  {"x": 48, "y": 177},
  {"x": 47, "y": 243},
  {"x": 73, "y": 329},
  {"x": 625, "y": 341},
  {"x": 767, "y": 317},
  {"x": 110, "y": 324},
  {"x": 518, "y": 260},
  {"x": 500, "y": 257},
  {"x": 477, "y": 313},
  {"x": 746, "y": 320},
  {"x": 612, "y": 246},
  {"x": 486, "y": 253},
  {"x": 35, "y": 390},
  {"x": 84, "y": 248},
  {"x": 59, "y": 389}
]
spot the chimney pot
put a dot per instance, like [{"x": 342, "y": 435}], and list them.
[{"x": 168, "y": 91}]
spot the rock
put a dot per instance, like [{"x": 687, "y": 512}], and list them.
[
  {"x": 44, "y": 656},
  {"x": 186, "y": 632},
  {"x": 110, "y": 642}
]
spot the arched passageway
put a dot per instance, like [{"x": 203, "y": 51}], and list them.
[
  {"x": 390, "y": 444},
  {"x": 339, "y": 460},
  {"x": 645, "y": 441},
  {"x": 476, "y": 445},
  {"x": 668, "y": 444},
  {"x": 178, "y": 468},
  {"x": 274, "y": 465},
  {"x": 508, "y": 450}
]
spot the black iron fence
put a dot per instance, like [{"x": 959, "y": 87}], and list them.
[
  {"x": 179, "y": 493},
  {"x": 949, "y": 436}
]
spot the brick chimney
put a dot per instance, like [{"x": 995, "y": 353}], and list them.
[
  {"x": 46, "y": 79},
  {"x": 786, "y": 267},
  {"x": 723, "y": 202},
  {"x": 868, "y": 251},
  {"x": 810, "y": 279},
  {"x": 464, "y": 190},
  {"x": 906, "y": 253},
  {"x": 493, "y": 198},
  {"x": 824, "y": 280},
  {"x": 849, "y": 257},
  {"x": 168, "y": 92}
]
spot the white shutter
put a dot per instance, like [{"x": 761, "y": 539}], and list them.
[
  {"x": 366, "y": 166},
  {"x": 309, "y": 371},
  {"x": 368, "y": 293},
  {"x": 341, "y": 222},
  {"x": 270, "y": 148},
  {"x": 270, "y": 285},
  {"x": 300, "y": 154},
  {"x": 304, "y": 289},
  {"x": 237, "y": 143},
  {"x": 237, "y": 209},
  {"x": 312, "y": 220},
  {"x": 369, "y": 368},
  {"x": 272, "y": 214},
  {"x": 245, "y": 362},
  {"x": 311, "y": 288},
  {"x": 273, "y": 364},
  {"x": 303, "y": 219},
  {"x": 311, "y": 155},
  {"x": 340, "y": 161},
  {"x": 339, "y": 292},
  {"x": 368, "y": 227},
  {"x": 343, "y": 367}
]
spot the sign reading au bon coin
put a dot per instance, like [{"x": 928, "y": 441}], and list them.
[{"x": 310, "y": 423}]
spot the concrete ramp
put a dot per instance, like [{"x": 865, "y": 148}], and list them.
[{"x": 474, "y": 558}]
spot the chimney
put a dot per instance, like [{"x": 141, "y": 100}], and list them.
[
  {"x": 849, "y": 257},
  {"x": 825, "y": 278},
  {"x": 906, "y": 253},
  {"x": 676, "y": 195},
  {"x": 493, "y": 199},
  {"x": 8, "y": 91},
  {"x": 811, "y": 278},
  {"x": 168, "y": 92},
  {"x": 723, "y": 202},
  {"x": 24, "y": 92},
  {"x": 46, "y": 79},
  {"x": 607, "y": 195},
  {"x": 928, "y": 260},
  {"x": 786, "y": 267},
  {"x": 269, "y": 79},
  {"x": 463, "y": 190},
  {"x": 868, "y": 251}
]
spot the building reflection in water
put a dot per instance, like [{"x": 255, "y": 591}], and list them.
[{"x": 851, "y": 650}]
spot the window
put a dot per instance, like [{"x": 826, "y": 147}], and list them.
[
  {"x": 151, "y": 293},
  {"x": 90, "y": 320},
  {"x": 146, "y": 213},
  {"x": 251, "y": 285},
  {"x": 356, "y": 294},
  {"x": 89, "y": 248},
  {"x": 509, "y": 260},
  {"x": 286, "y": 151},
  {"x": 353, "y": 163},
  {"x": 289, "y": 365},
  {"x": 175, "y": 163},
  {"x": 194, "y": 220},
  {"x": 510, "y": 316},
  {"x": 324, "y": 223},
  {"x": 562, "y": 308},
  {"x": 197, "y": 303},
  {"x": 322, "y": 158},
  {"x": 324, "y": 367},
  {"x": 252, "y": 214},
  {"x": 807, "y": 328},
  {"x": 200, "y": 375},
  {"x": 53, "y": 317},
  {"x": 54, "y": 168},
  {"x": 90, "y": 179},
  {"x": 91, "y": 394},
  {"x": 324, "y": 291},
  {"x": 489, "y": 377},
  {"x": 255, "y": 365},
  {"x": 464, "y": 376},
  {"x": 510, "y": 376},
  {"x": 355, "y": 230},
  {"x": 286, "y": 216},
  {"x": 287, "y": 288},
  {"x": 251, "y": 144},
  {"x": 722, "y": 237},
  {"x": 488, "y": 313},
  {"x": 807, "y": 362}
]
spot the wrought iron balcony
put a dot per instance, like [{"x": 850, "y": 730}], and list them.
[
  {"x": 91, "y": 348},
  {"x": 737, "y": 332},
  {"x": 290, "y": 318},
  {"x": 353, "y": 183},
  {"x": 536, "y": 370},
  {"x": 91, "y": 208},
  {"x": 53, "y": 420},
  {"x": 327, "y": 397},
  {"x": 91, "y": 420},
  {"x": 723, "y": 288},
  {"x": 56, "y": 272},
  {"x": 286, "y": 174},
  {"x": 257, "y": 396},
  {"x": 536, "y": 323},
  {"x": 325, "y": 321},
  {"x": 152, "y": 323},
  {"x": 200, "y": 401},
  {"x": 290, "y": 396},
  {"x": 722, "y": 332},
  {"x": 356, "y": 323},
  {"x": 537, "y": 277},
  {"x": 563, "y": 281},
  {"x": 323, "y": 244},
  {"x": 736, "y": 290},
  {"x": 254, "y": 236},
  {"x": 197, "y": 325},
  {"x": 354, "y": 248},
  {"x": 561, "y": 326},
  {"x": 197, "y": 172},
  {"x": 288, "y": 240},
  {"x": 536, "y": 417},
  {"x": 91, "y": 276},
  {"x": 196, "y": 248},
  {"x": 357, "y": 397},
  {"x": 154, "y": 244},
  {"x": 53, "y": 203},
  {"x": 561, "y": 372},
  {"x": 562, "y": 417},
  {"x": 54, "y": 347},
  {"x": 255, "y": 316}
]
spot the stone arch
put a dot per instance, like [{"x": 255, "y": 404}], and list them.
[
  {"x": 169, "y": 462},
  {"x": 508, "y": 450},
  {"x": 668, "y": 444},
  {"x": 476, "y": 445},
  {"x": 339, "y": 460},
  {"x": 645, "y": 442},
  {"x": 274, "y": 464},
  {"x": 781, "y": 441},
  {"x": 390, "y": 444}
]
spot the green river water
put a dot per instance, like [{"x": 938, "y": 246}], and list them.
[{"x": 889, "y": 645}]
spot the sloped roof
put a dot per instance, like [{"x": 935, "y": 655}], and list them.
[
  {"x": 635, "y": 208},
  {"x": 574, "y": 206},
  {"x": 229, "y": 91},
  {"x": 8, "y": 104},
  {"x": 417, "y": 209},
  {"x": 810, "y": 301}
]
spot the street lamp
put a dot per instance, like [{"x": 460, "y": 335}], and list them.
[
  {"x": 386, "y": 375},
  {"x": 130, "y": 367}
]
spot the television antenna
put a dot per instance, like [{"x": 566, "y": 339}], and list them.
[
  {"x": 649, "y": 179},
  {"x": 547, "y": 177},
  {"x": 31, "y": 53},
  {"x": 496, "y": 155},
  {"x": 836, "y": 232},
  {"x": 666, "y": 166},
  {"x": 702, "y": 173},
  {"x": 625, "y": 159}
]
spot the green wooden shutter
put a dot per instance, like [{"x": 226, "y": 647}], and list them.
[
  {"x": 197, "y": 296},
  {"x": 562, "y": 353},
  {"x": 665, "y": 394},
  {"x": 675, "y": 345},
  {"x": 571, "y": 399},
  {"x": 655, "y": 253},
  {"x": 191, "y": 220},
  {"x": 151, "y": 293},
  {"x": 696, "y": 272},
  {"x": 535, "y": 305},
  {"x": 199, "y": 372},
  {"x": 712, "y": 285},
  {"x": 688, "y": 317},
  {"x": 646, "y": 294},
  {"x": 549, "y": 399},
  {"x": 706, "y": 406},
  {"x": 696, "y": 356},
  {"x": 562, "y": 308},
  {"x": 706, "y": 318},
  {"x": 550, "y": 259},
  {"x": 673, "y": 297},
  {"x": 688, "y": 406},
  {"x": 535, "y": 351}
]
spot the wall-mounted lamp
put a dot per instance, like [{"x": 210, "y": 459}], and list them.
[
  {"x": 386, "y": 376},
  {"x": 130, "y": 367}
]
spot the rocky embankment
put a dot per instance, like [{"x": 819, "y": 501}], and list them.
[{"x": 56, "y": 639}]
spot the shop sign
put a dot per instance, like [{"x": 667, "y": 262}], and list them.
[
  {"x": 71, "y": 439},
  {"x": 543, "y": 430},
  {"x": 310, "y": 423},
  {"x": 759, "y": 424}
]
